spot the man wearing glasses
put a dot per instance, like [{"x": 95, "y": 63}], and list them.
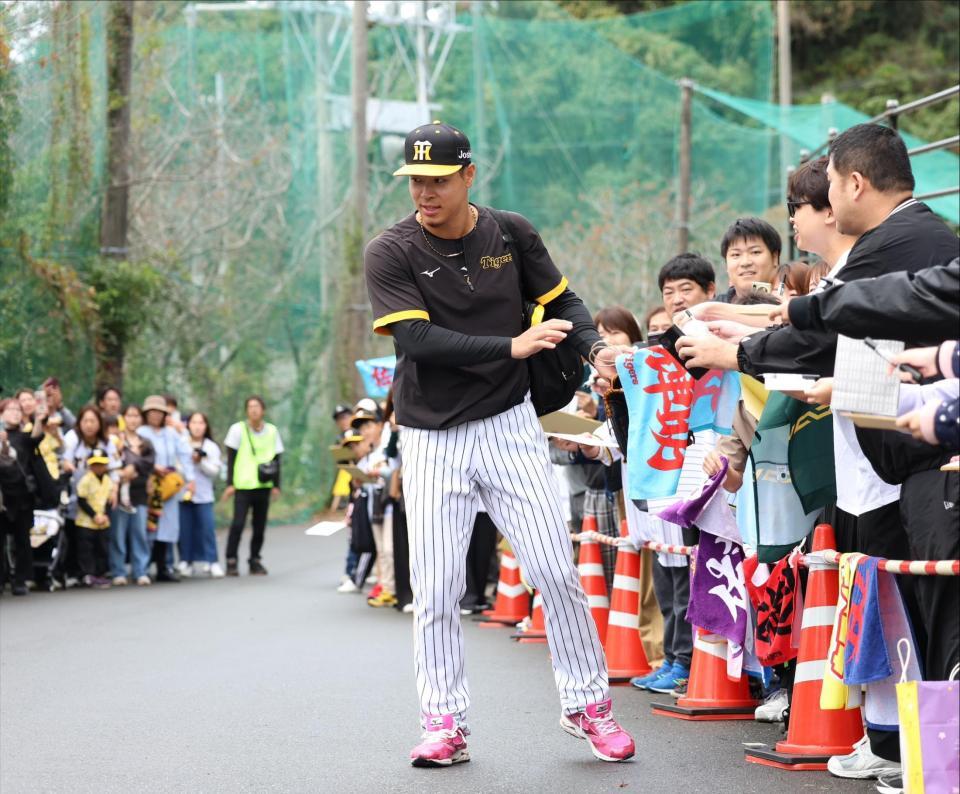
[{"x": 812, "y": 218}]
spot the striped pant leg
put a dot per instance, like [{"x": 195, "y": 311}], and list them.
[
  {"x": 515, "y": 482},
  {"x": 441, "y": 506}
]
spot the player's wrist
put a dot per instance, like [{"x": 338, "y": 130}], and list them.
[{"x": 595, "y": 349}]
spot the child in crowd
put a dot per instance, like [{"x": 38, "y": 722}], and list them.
[
  {"x": 93, "y": 492},
  {"x": 360, "y": 447},
  {"x": 368, "y": 422}
]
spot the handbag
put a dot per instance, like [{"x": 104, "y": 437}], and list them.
[
  {"x": 929, "y": 730},
  {"x": 554, "y": 374},
  {"x": 266, "y": 472}
]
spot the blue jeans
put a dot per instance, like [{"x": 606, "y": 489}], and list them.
[
  {"x": 352, "y": 559},
  {"x": 128, "y": 531},
  {"x": 198, "y": 537}
]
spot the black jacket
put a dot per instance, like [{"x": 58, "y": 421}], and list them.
[
  {"x": 911, "y": 240},
  {"x": 920, "y": 308},
  {"x": 19, "y": 469}
]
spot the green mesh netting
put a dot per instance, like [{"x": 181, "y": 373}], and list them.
[
  {"x": 242, "y": 162},
  {"x": 807, "y": 127}
]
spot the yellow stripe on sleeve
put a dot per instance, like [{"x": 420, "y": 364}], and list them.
[
  {"x": 381, "y": 325},
  {"x": 543, "y": 300}
]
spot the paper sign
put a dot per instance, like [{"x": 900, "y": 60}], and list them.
[
  {"x": 587, "y": 439},
  {"x": 561, "y": 422},
  {"x": 325, "y": 529},
  {"x": 860, "y": 380},
  {"x": 873, "y": 421},
  {"x": 359, "y": 474},
  {"x": 787, "y": 381},
  {"x": 342, "y": 454}
]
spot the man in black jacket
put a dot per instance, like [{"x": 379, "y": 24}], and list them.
[{"x": 871, "y": 187}]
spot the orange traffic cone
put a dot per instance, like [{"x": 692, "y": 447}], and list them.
[
  {"x": 814, "y": 734},
  {"x": 536, "y": 631},
  {"x": 625, "y": 656},
  {"x": 513, "y": 600},
  {"x": 711, "y": 695},
  {"x": 595, "y": 585}
]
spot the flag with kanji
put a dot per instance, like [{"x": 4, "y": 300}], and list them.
[
  {"x": 665, "y": 407},
  {"x": 377, "y": 375}
]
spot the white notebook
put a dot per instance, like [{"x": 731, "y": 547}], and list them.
[{"x": 861, "y": 384}]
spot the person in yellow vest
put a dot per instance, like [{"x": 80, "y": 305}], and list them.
[{"x": 253, "y": 449}]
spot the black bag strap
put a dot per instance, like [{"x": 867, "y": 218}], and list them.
[
  {"x": 509, "y": 235},
  {"x": 507, "y": 232},
  {"x": 253, "y": 449}
]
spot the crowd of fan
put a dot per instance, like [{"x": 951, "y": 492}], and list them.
[
  {"x": 882, "y": 265},
  {"x": 97, "y": 498}
]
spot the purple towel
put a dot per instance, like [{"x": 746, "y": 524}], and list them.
[
  {"x": 686, "y": 511},
  {"x": 718, "y": 590}
]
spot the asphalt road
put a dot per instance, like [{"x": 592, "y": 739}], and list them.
[{"x": 281, "y": 684}]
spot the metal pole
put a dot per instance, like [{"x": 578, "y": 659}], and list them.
[
  {"x": 893, "y": 104},
  {"x": 785, "y": 93},
  {"x": 220, "y": 167},
  {"x": 360, "y": 170},
  {"x": 785, "y": 71},
  {"x": 423, "y": 98},
  {"x": 324, "y": 154},
  {"x": 683, "y": 194},
  {"x": 479, "y": 131}
]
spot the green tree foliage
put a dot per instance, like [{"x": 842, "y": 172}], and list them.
[
  {"x": 865, "y": 52},
  {"x": 9, "y": 119}
]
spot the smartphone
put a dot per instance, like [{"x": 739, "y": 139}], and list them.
[{"x": 668, "y": 340}]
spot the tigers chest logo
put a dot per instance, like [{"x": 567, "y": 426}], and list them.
[{"x": 495, "y": 262}]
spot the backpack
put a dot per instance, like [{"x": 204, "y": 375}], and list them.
[{"x": 554, "y": 374}]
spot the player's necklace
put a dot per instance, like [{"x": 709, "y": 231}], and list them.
[{"x": 476, "y": 217}]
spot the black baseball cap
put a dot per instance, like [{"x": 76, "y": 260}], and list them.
[
  {"x": 434, "y": 150},
  {"x": 340, "y": 408}
]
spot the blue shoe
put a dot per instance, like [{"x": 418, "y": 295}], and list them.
[
  {"x": 642, "y": 682},
  {"x": 666, "y": 682}
]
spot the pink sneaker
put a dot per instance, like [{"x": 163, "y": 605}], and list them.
[
  {"x": 443, "y": 743},
  {"x": 608, "y": 741}
]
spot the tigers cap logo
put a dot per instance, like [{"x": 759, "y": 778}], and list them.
[{"x": 435, "y": 149}]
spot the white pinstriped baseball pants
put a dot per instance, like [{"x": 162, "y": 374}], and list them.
[{"x": 504, "y": 458}]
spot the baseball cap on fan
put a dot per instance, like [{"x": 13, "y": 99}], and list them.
[{"x": 434, "y": 150}]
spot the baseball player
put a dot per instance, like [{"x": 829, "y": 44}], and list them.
[{"x": 445, "y": 284}]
